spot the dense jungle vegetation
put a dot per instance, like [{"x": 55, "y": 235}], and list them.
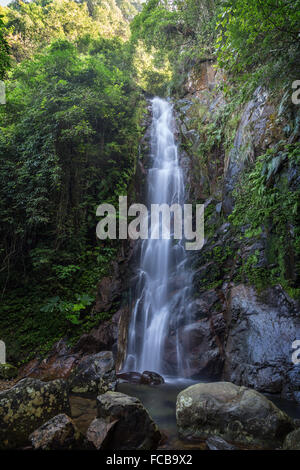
[{"x": 76, "y": 75}]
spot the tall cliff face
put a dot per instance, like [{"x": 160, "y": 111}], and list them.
[{"x": 244, "y": 166}]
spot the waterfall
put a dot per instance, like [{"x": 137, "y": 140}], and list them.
[{"x": 163, "y": 279}]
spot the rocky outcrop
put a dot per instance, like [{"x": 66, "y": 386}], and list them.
[
  {"x": 28, "y": 405},
  {"x": 59, "y": 433},
  {"x": 246, "y": 336},
  {"x": 94, "y": 374},
  {"x": 261, "y": 330},
  {"x": 252, "y": 136},
  {"x": 58, "y": 364},
  {"x": 102, "y": 338},
  {"x": 133, "y": 428},
  {"x": 236, "y": 414},
  {"x": 202, "y": 102},
  {"x": 63, "y": 359}
]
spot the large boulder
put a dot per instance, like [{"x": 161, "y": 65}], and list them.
[
  {"x": 237, "y": 414},
  {"x": 292, "y": 441},
  {"x": 94, "y": 374},
  {"x": 133, "y": 427},
  {"x": 26, "y": 406},
  {"x": 262, "y": 328},
  {"x": 59, "y": 433}
]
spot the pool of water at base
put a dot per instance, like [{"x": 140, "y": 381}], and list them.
[{"x": 160, "y": 401}]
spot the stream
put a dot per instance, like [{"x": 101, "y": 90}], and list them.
[{"x": 160, "y": 402}]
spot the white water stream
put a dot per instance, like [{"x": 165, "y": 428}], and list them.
[{"x": 164, "y": 280}]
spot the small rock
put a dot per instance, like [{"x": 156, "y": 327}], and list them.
[
  {"x": 130, "y": 377},
  {"x": 59, "y": 433},
  {"x": 146, "y": 378},
  {"x": 217, "y": 443},
  {"x": 100, "y": 432},
  {"x": 135, "y": 428},
  {"x": 151, "y": 378}
]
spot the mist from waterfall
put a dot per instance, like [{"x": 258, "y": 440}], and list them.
[{"x": 163, "y": 279}]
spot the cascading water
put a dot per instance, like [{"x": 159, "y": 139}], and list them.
[{"x": 163, "y": 280}]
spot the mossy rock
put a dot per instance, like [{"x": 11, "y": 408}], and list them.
[
  {"x": 7, "y": 371},
  {"x": 28, "y": 405}
]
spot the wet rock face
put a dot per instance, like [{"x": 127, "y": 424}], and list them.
[
  {"x": 26, "y": 406},
  {"x": 236, "y": 414},
  {"x": 59, "y": 433},
  {"x": 251, "y": 136},
  {"x": 202, "y": 333},
  {"x": 261, "y": 330},
  {"x": 255, "y": 341},
  {"x": 133, "y": 426},
  {"x": 94, "y": 374}
]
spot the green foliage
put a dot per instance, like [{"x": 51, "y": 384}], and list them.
[
  {"x": 69, "y": 138},
  {"x": 70, "y": 310},
  {"x": 156, "y": 25},
  {"x": 68, "y": 142},
  {"x": 33, "y": 25},
  {"x": 253, "y": 40},
  {"x": 181, "y": 33},
  {"x": 4, "y": 51},
  {"x": 255, "y": 32},
  {"x": 267, "y": 200}
]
